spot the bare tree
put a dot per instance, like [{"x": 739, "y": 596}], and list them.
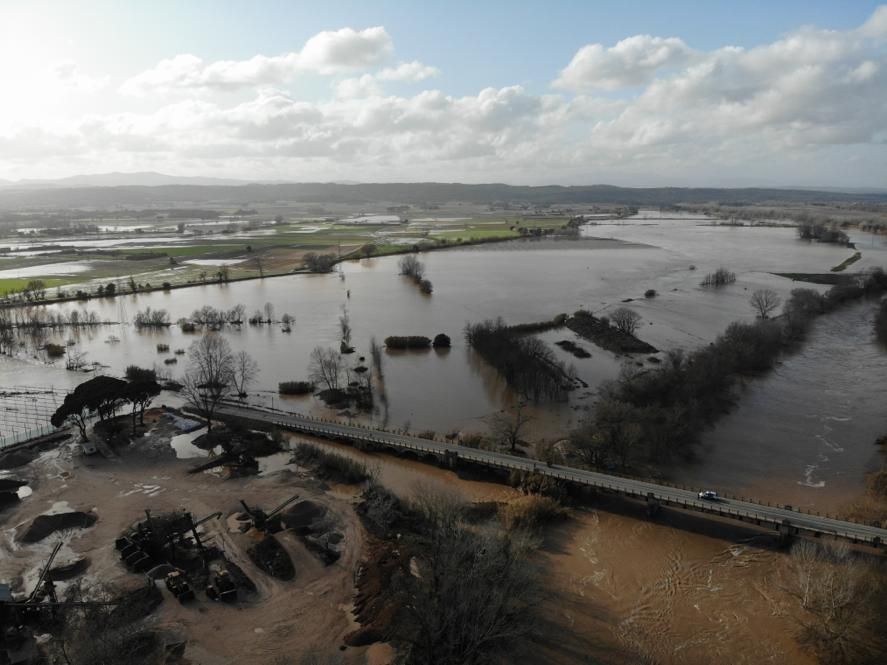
[
  {"x": 507, "y": 428},
  {"x": 325, "y": 367},
  {"x": 475, "y": 595},
  {"x": 269, "y": 312},
  {"x": 376, "y": 355},
  {"x": 626, "y": 320},
  {"x": 411, "y": 266},
  {"x": 244, "y": 372},
  {"x": 210, "y": 375},
  {"x": 345, "y": 327},
  {"x": 840, "y": 594},
  {"x": 764, "y": 301}
]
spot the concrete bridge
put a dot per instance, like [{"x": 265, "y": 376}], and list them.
[{"x": 786, "y": 520}]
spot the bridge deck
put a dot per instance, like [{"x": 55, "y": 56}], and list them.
[{"x": 747, "y": 511}]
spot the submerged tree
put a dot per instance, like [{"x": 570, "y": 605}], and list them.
[
  {"x": 244, "y": 372},
  {"x": 626, "y": 320},
  {"x": 764, "y": 301},
  {"x": 325, "y": 367}
]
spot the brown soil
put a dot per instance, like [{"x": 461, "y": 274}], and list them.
[{"x": 309, "y": 615}]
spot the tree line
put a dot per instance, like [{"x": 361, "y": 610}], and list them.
[
  {"x": 526, "y": 363},
  {"x": 649, "y": 417},
  {"x": 410, "y": 266}
]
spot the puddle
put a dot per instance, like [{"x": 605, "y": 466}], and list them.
[
  {"x": 59, "y": 507},
  {"x": 215, "y": 262}
]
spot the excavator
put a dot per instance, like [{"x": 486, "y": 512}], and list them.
[
  {"x": 266, "y": 523},
  {"x": 17, "y": 645}
]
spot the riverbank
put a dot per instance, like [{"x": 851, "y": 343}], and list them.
[{"x": 355, "y": 254}]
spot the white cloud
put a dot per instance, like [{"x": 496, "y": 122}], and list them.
[
  {"x": 408, "y": 71},
  {"x": 327, "y": 52},
  {"x": 632, "y": 61},
  {"x": 330, "y": 52},
  {"x": 809, "y": 107},
  {"x": 370, "y": 85},
  {"x": 876, "y": 26},
  {"x": 67, "y": 75}
]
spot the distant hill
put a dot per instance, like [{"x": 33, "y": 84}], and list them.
[
  {"x": 117, "y": 179},
  {"x": 172, "y": 195}
]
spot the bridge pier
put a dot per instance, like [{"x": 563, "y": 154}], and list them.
[
  {"x": 451, "y": 459},
  {"x": 653, "y": 505},
  {"x": 786, "y": 532}
]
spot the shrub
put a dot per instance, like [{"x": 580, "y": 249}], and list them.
[
  {"x": 407, "y": 342},
  {"x": 54, "y": 350},
  {"x": 650, "y": 293},
  {"x": 295, "y": 387},
  {"x": 319, "y": 262},
  {"x": 152, "y": 318},
  {"x": 188, "y": 326},
  {"x": 473, "y": 440},
  {"x": 136, "y": 373},
  {"x": 163, "y": 348},
  {"x": 718, "y": 278},
  {"x": 167, "y": 286},
  {"x": 531, "y": 512},
  {"x": 441, "y": 341},
  {"x": 425, "y": 286},
  {"x": 330, "y": 465}
]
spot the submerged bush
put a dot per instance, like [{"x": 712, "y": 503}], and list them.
[
  {"x": 531, "y": 512},
  {"x": 720, "y": 277},
  {"x": 407, "y": 342},
  {"x": 295, "y": 387}
]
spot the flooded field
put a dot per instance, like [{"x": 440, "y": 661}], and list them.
[
  {"x": 621, "y": 588},
  {"x": 529, "y": 280}
]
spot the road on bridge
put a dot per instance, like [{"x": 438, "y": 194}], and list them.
[{"x": 654, "y": 493}]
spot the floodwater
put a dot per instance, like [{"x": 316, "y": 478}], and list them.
[
  {"x": 63, "y": 268},
  {"x": 623, "y": 589},
  {"x": 534, "y": 280},
  {"x": 804, "y": 433}
]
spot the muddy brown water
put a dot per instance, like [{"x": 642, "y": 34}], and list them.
[{"x": 622, "y": 589}]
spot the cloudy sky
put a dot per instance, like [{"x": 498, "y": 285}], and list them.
[{"x": 630, "y": 93}]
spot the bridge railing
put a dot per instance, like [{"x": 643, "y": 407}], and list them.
[{"x": 360, "y": 432}]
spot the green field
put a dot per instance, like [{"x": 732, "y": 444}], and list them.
[{"x": 277, "y": 252}]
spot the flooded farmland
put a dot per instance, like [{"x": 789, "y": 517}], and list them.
[
  {"x": 528, "y": 280},
  {"x": 621, "y": 588}
]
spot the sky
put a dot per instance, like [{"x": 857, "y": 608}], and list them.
[{"x": 559, "y": 92}]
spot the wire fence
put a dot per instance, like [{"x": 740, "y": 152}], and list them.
[{"x": 25, "y": 412}]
